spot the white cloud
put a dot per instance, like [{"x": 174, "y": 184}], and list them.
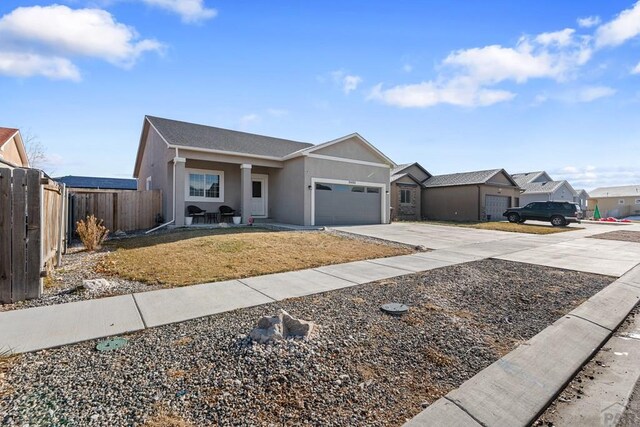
[
  {"x": 83, "y": 32},
  {"x": 348, "y": 82},
  {"x": 623, "y": 27},
  {"x": 460, "y": 92},
  {"x": 276, "y": 112},
  {"x": 29, "y": 64},
  {"x": 588, "y": 22},
  {"x": 591, "y": 93},
  {"x": 636, "y": 69},
  {"x": 190, "y": 11},
  {"x": 590, "y": 176},
  {"x": 560, "y": 38},
  {"x": 249, "y": 119}
]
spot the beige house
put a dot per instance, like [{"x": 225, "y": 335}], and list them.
[
  {"x": 469, "y": 196},
  {"x": 12, "y": 150},
  {"x": 617, "y": 202},
  {"x": 406, "y": 191},
  {"x": 343, "y": 181}
]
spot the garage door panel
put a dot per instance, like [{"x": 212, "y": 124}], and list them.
[
  {"x": 495, "y": 206},
  {"x": 339, "y": 204}
]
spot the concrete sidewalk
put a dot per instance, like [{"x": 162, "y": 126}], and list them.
[
  {"x": 45, "y": 327},
  {"x": 52, "y": 326}
]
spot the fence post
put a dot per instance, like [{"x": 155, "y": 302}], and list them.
[
  {"x": 18, "y": 235},
  {"x": 5, "y": 235},
  {"x": 61, "y": 230},
  {"x": 35, "y": 257}
]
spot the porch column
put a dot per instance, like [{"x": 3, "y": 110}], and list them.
[
  {"x": 245, "y": 189},
  {"x": 179, "y": 182}
]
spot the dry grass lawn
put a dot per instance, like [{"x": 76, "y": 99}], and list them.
[
  {"x": 507, "y": 226},
  {"x": 199, "y": 256}
]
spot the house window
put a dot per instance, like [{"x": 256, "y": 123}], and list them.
[
  {"x": 148, "y": 184},
  {"x": 621, "y": 201},
  {"x": 405, "y": 196},
  {"x": 637, "y": 201},
  {"x": 206, "y": 186}
]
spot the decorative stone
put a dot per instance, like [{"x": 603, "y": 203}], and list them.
[
  {"x": 96, "y": 285},
  {"x": 281, "y": 326}
]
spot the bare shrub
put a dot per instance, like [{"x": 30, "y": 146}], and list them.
[{"x": 92, "y": 233}]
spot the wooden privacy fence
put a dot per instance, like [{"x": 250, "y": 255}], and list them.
[
  {"x": 120, "y": 210},
  {"x": 32, "y": 230}
]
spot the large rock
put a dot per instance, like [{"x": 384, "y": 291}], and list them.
[
  {"x": 97, "y": 285},
  {"x": 281, "y": 326}
]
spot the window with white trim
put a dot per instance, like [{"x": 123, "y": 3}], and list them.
[
  {"x": 637, "y": 201},
  {"x": 204, "y": 185},
  {"x": 405, "y": 196},
  {"x": 621, "y": 201}
]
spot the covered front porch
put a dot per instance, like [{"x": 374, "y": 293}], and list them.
[{"x": 213, "y": 189}]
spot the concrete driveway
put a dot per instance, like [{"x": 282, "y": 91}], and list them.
[{"x": 571, "y": 250}]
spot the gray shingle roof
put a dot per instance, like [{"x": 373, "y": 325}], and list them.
[
  {"x": 98, "y": 183},
  {"x": 620, "y": 191},
  {"x": 399, "y": 168},
  {"x": 208, "y": 137},
  {"x": 541, "y": 187},
  {"x": 525, "y": 177},
  {"x": 464, "y": 178}
]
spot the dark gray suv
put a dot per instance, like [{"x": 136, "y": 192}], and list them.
[{"x": 558, "y": 213}]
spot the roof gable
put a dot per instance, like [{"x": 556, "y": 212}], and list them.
[
  {"x": 405, "y": 168},
  {"x": 619, "y": 191},
  {"x": 527, "y": 177},
  {"x": 352, "y": 137},
  {"x": 9, "y": 135}
]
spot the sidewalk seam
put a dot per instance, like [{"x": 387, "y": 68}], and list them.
[
  {"x": 337, "y": 277},
  {"x": 591, "y": 321},
  {"x": 465, "y": 411},
  {"x": 260, "y": 292},
  {"x": 390, "y": 266},
  {"x": 135, "y": 301}
]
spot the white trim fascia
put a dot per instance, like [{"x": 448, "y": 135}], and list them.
[
  {"x": 9, "y": 139},
  {"x": 345, "y": 160},
  {"x": 203, "y": 199},
  {"x": 383, "y": 194},
  {"x": 264, "y": 177},
  {"x": 230, "y": 153},
  {"x": 336, "y": 141}
]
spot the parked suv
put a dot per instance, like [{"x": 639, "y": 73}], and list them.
[{"x": 558, "y": 213}]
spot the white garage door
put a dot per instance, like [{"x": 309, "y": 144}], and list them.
[
  {"x": 495, "y": 206},
  {"x": 341, "y": 204}
]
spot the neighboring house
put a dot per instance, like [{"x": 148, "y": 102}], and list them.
[
  {"x": 539, "y": 187},
  {"x": 344, "y": 181},
  {"x": 581, "y": 198},
  {"x": 91, "y": 183},
  {"x": 12, "y": 149},
  {"x": 469, "y": 196},
  {"x": 406, "y": 191},
  {"x": 618, "y": 202}
]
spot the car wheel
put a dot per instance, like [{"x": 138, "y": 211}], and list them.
[
  {"x": 558, "y": 221},
  {"x": 513, "y": 217}
]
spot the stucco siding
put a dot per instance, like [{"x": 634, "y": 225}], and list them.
[
  {"x": 155, "y": 164},
  {"x": 11, "y": 154},
  {"x": 611, "y": 206},
  {"x": 416, "y": 172},
  {"x": 287, "y": 191},
  {"x": 451, "y": 203},
  {"x": 337, "y": 170},
  {"x": 351, "y": 148},
  {"x": 500, "y": 179}
]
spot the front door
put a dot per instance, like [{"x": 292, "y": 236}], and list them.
[{"x": 259, "y": 195}]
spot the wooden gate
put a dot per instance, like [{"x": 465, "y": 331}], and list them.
[{"x": 31, "y": 231}]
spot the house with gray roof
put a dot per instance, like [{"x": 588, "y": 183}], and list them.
[
  {"x": 618, "y": 202},
  {"x": 343, "y": 181},
  {"x": 469, "y": 196},
  {"x": 406, "y": 191},
  {"x": 81, "y": 183},
  {"x": 539, "y": 187}
]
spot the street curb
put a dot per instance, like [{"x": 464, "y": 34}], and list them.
[{"x": 517, "y": 388}]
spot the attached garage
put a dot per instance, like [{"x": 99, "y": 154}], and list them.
[
  {"x": 495, "y": 206},
  {"x": 347, "y": 204}
]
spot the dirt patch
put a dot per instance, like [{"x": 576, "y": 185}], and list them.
[
  {"x": 621, "y": 235},
  {"x": 365, "y": 368},
  {"x": 508, "y": 226}
]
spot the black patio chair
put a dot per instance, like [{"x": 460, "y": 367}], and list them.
[
  {"x": 195, "y": 212},
  {"x": 226, "y": 212}
]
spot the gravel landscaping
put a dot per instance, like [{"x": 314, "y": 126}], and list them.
[
  {"x": 363, "y": 368},
  {"x": 622, "y": 235}
]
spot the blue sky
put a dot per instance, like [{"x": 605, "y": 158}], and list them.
[{"x": 456, "y": 86}]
